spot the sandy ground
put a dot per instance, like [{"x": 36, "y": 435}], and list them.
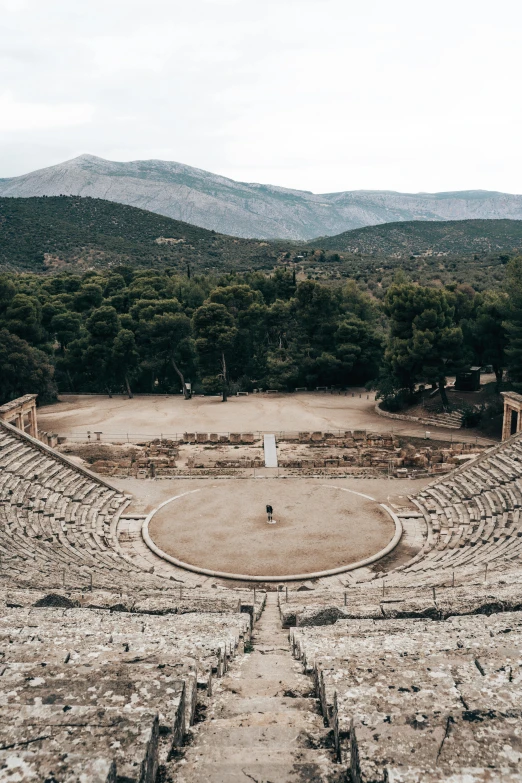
[
  {"x": 223, "y": 526},
  {"x": 147, "y": 417}
]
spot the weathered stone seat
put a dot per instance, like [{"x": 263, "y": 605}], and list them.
[{"x": 396, "y": 690}]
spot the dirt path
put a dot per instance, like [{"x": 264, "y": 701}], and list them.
[{"x": 262, "y": 724}]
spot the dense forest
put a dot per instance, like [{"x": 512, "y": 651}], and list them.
[{"x": 155, "y": 330}]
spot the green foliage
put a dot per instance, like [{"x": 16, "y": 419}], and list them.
[
  {"x": 215, "y": 333},
  {"x": 151, "y": 330},
  {"x": 514, "y": 322},
  {"x": 487, "y": 331},
  {"x": 48, "y": 233},
  {"x": 423, "y": 237},
  {"x": 24, "y": 369},
  {"x": 424, "y": 343},
  {"x": 472, "y": 416}
]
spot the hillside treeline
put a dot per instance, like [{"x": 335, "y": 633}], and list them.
[{"x": 156, "y": 331}]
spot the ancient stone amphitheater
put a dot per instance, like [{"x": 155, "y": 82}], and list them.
[{"x": 112, "y": 673}]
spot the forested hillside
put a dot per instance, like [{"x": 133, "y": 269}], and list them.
[
  {"x": 48, "y": 233},
  {"x": 51, "y": 234},
  {"x": 421, "y": 237}
]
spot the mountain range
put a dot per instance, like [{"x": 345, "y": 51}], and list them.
[{"x": 251, "y": 210}]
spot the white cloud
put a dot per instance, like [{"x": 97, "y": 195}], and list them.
[
  {"x": 319, "y": 94},
  {"x": 25, "y": 116}
]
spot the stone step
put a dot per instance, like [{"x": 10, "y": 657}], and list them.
[
  {"x": 265, "y": 770},
  {"x": 267, "y": 704},
  {"x": 274, "y": 730},
  {"x": 264, "y": 686}
]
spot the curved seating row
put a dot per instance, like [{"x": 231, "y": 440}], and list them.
[
  {"x": 58, "y": 531},
  {"x": 80, "y": 685},
  {"x": 474, "y": 520}
]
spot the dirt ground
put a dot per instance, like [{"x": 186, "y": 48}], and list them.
[
  {"x": 223, "y": 526},
  {"x": 148, "y": 417}
]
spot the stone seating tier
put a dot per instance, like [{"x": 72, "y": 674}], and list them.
[
  {"x": 432, "y": 696},
  {"x": 103, "y": 694}
]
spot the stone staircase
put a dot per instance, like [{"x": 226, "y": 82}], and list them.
[
  {"x": 262, "y": 724},
  {"x": 450, "y": 419}
]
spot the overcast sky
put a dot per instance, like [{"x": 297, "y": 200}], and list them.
[{"x": 323, "y": 95}]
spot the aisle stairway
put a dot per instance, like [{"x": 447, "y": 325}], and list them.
[
  {"x": 270, "y": 448},
  {"x": 262, "y": 723}
]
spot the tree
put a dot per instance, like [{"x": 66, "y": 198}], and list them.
[
  {"x": 89, "y": 296},
  {"x": 246, "y": 307},
  {"x": 23, "y": 317},
  {"x": 488, "y": 332},
  {"x": 24, "y": 370},
  {"x": 102, "y": 327},
  {"x": 66, "y": 326},
  {"x": 170, "y": 341},
  {"x": 358, "y": 349},
  {"x": 125, "y": 357},
  {"x": 215, "y": 334},
  {"x": 513, "y": 321},
  {"x": 424, "y": 343},
  {"x": 7, "y": 292}
]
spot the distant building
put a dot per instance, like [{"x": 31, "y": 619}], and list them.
[{"x": 468, "y": 380}]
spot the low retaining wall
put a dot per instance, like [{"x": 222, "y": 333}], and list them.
[{"x": 416, "y": 419}]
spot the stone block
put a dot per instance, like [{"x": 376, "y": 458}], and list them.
[
  {"x": 316, "y": 436},
  {"x": 304, "y": 437},
  {"x": 201, "y": 437},
  {"x": 213, "y": 437},
  {"x": 359, "y": 435},
  {"x": 235, "y": 437},
  {"x": 189, "y": 437},
  {"x": 247, "y": 437}
]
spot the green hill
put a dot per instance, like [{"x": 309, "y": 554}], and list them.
[
  {"x": 54, "y": 233},
  {"x": 428, "y": 238},
  {"x": 51, "y": 233}
]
